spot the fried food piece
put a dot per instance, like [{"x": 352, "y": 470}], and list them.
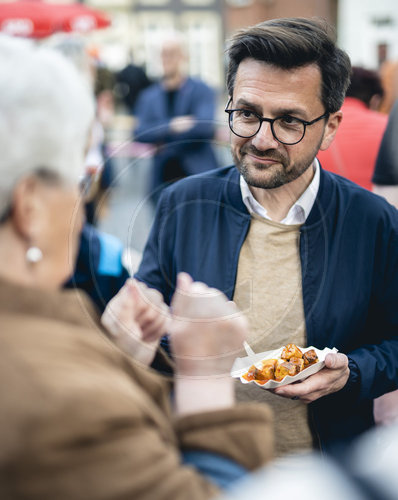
[
  {"x": 261, "y": 375},
  {"x": 291, "y": 362},
  {"x": 268, "y": 368},
  {"x": 299, "y": 362},
  {"x": 254, "y": 373},
  {"x": 310, "y": 358},
  {"x": 291, "y": 351},
  {"x": 249, "y": 375},
  {"x": 285, "y": 368}
]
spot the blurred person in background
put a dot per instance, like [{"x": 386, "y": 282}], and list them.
[
  {"x": 353, "y": 152},
  {"x": 311, "y": 257},
  {"x": 98, "y": 160},
  {"x": 130, "y": 82},
  {"x": 389, "y": 79},
  {"x": 99, "y": 268},
  {"x": 98, "y": 163},
  {"x": 385, "y": 176},
  {"x": 385, "y": 183},
  {"x": 177, "y": 116},
  {"x": 80, "y": 419}
]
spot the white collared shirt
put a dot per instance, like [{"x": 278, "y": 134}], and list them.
[{"x": 298, "y": 213}]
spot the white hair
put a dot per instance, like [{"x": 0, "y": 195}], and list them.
[{"x": 46, "y": 111}]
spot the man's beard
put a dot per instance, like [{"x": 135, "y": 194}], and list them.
[{"x": 278, "y": 175}]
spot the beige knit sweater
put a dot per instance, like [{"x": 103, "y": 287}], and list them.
[{"x": 268, "y": 289}]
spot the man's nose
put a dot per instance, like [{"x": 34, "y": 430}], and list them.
[{"x": 264, "y": 139}]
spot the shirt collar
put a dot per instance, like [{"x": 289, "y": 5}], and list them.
[{"x": 298, "y": 213}]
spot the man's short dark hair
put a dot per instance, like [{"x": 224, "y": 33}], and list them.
[{"x": 292, "y": 43}]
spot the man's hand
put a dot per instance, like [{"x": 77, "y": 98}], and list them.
[
  {"x": 330, "y": 379},
  {"x": 136, "y": 318}
]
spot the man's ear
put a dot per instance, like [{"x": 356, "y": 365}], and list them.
[
  {"x": 331, "y": 129},
  {"x": 26, "y": 207}
]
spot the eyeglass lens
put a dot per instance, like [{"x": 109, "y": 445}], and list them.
[{"x": 285, "y": 129}]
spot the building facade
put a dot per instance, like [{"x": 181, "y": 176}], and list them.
[
  {"x": 368, "y": 31},
  {"x": 140, "y": 25},
  {"x": 241, "y": 13}
]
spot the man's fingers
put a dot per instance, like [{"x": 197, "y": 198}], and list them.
[
  {"x": 330, "y": 379},
  {"x": 304, "y": 396},
  {"x": 336, "y": 361},
  {"x": 315, "y": 383},
  {"x": 296, "y": 390}
]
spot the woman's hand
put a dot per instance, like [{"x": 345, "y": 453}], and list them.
[
  {"x": 136, "y": 319},
  {"x": 206, "y": 335}
]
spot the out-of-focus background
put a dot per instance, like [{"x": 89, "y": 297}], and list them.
[{"x": 366, "y": 29}]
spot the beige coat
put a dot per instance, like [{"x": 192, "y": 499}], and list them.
[{"x": 79, "y": 420}]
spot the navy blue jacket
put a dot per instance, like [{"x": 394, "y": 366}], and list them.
[
  {"x": 349, "y": 260},
  {"x": 193, "y": 148}
]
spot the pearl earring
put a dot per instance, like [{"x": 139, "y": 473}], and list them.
[{"x": 34, "y": 255}]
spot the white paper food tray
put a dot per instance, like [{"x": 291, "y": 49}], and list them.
[{"x": 242, "y": 365}]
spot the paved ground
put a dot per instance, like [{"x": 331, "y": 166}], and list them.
[{"x": 130, "y": 214}]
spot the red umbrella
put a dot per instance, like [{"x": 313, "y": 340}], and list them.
[
  {"x": 78, "y": 17},
  {"x": 37, "y": 19}
]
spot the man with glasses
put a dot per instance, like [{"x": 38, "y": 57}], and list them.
[{"x": 309, "y": 256}]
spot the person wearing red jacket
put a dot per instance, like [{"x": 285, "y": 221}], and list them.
[{"x": 353, "y": 152}]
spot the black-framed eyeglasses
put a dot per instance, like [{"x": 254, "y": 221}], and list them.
[{"x": 286, "y": 129}]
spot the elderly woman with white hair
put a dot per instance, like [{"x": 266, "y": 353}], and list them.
[{"x": 79, "y": 418}]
